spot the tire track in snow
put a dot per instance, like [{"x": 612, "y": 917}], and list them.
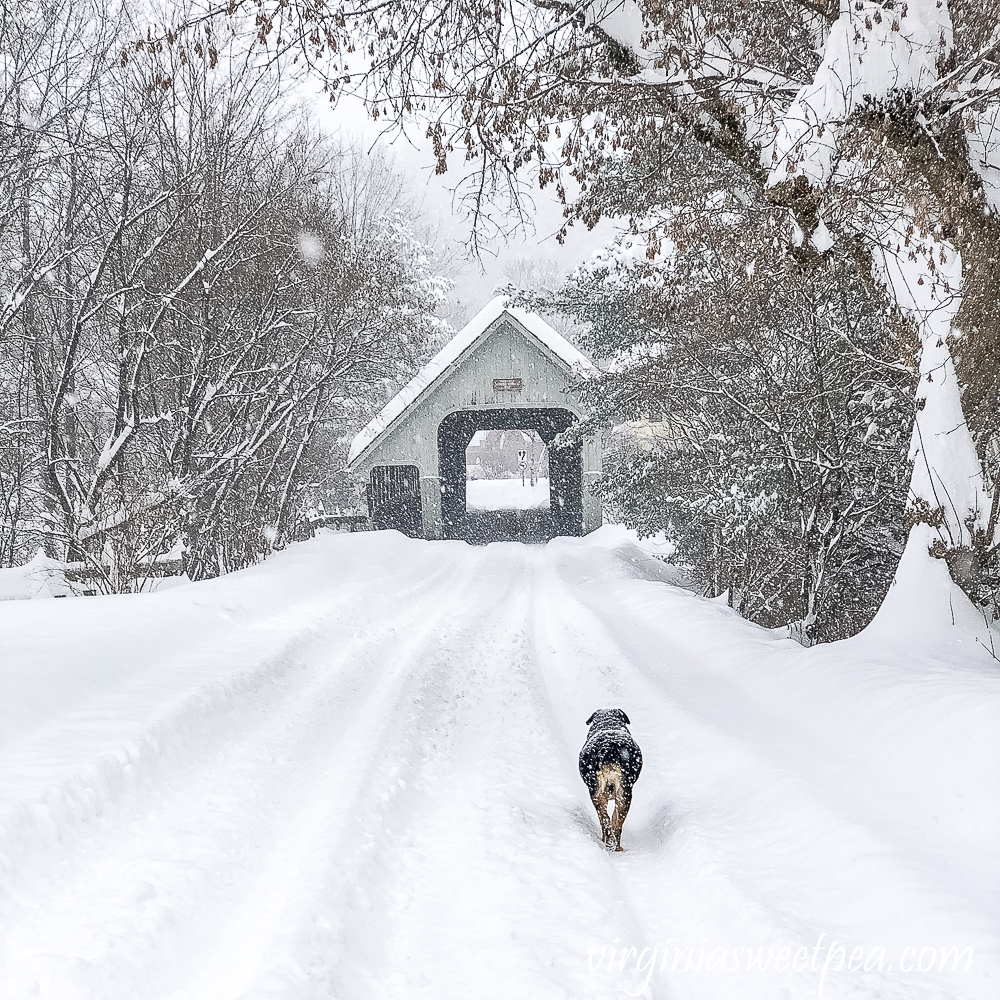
[
  {"x": 210, "y": 786},
  {"x": 673, "y": 888},
  {"x": 503, "y": 884},
  {"x": 333, "y": 936}
]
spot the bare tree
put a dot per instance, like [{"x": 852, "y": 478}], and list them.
[{"x": 222, "y": 285}]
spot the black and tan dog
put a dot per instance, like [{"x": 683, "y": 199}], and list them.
[{"x": 610, "y": 762}]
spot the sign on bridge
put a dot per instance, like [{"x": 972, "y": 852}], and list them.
[{"x": 507, "y": 385}]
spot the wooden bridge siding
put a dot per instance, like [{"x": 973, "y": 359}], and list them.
[{"x": 503, "y": 353}]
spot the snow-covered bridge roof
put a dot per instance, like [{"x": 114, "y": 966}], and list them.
[{"x": 435, "y": 369}]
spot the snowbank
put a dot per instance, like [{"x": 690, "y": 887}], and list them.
[
  {"x": 924, "y": 606},
  {"x": 42, "y": 577},
  {"x": 45, "y": 577}
]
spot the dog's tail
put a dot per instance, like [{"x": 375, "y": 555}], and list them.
[{"x": 610, "y": 786}]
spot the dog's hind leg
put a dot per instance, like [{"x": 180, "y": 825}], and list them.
[
  {"x": 600, "y": 800},
  {"x": 607, "y": 801},
  {"x": 623, "y": 800}
]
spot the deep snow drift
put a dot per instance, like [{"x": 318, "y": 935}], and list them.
[{"x": 351, "y": 772}]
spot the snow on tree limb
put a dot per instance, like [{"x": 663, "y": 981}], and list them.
[{"x": 872, "y": 50}]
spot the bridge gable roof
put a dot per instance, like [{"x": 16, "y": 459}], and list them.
[{"x": 462, "y": 346}]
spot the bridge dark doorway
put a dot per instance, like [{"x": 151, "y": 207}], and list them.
[
  {"x": 394, "y": 499},
  {"x": 564, "y": 514}
]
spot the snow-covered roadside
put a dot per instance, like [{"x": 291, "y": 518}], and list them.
[
  {"x": 507, "y": 494},
  {"x": 42, "y": 578},
  {"x": 37, "y": 578},
  {"x": 351, "y": 771}
]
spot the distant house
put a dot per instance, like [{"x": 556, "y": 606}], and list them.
[
  {"x": 506, "y": 370},
  {"x": 498, "y": 455}
]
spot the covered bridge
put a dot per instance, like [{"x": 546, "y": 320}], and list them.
[{"x": 506, "y": 370}]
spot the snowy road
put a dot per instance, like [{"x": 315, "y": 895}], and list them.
[{"x": 351, "y": 773}]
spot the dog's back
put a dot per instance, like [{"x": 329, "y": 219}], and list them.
[{"x": 610, "y": 762}]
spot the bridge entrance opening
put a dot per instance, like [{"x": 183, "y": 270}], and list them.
[
  {"x": 506, "y": 470},
  {"x": 482, "y": 496}
]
